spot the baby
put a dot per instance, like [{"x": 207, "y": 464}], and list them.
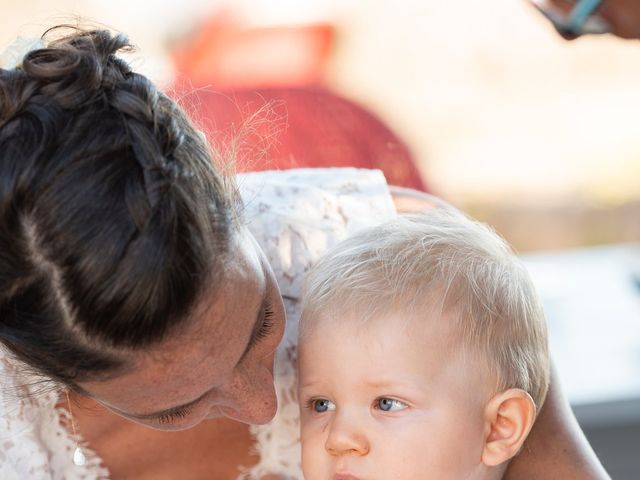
[{"x": 423, "y": 354}]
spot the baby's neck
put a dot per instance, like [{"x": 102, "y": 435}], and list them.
[
  {"x": 497, "y": 472},
  {"x": 483, "y": 472}
]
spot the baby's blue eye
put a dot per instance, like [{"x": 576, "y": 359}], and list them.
[
  {"x": 323, "y": 405},
  {"x": 390, "y": 404}
]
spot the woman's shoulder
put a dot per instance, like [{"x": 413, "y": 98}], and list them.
[
  {"x": 297, "y": 214},
  {"x": 34, "y": 442},
  {"x": 15, "y": 396},
  {"x": 314, "y": 190},
  {"x": 20, "y": 449},
  {"x": 318, "y": 176}
]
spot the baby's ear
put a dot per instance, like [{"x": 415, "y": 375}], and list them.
[{"x": 509, "y": 417}]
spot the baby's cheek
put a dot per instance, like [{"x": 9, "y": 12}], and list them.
[
  {"x": 313, "y": 433},
  {"x": 312, "y": 454},
  {"x": 311, "y": 428}
]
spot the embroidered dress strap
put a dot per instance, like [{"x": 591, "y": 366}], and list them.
[{"x": 296, "y": 215}]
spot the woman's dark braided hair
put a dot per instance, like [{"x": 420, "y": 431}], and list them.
[{"x": 113, "y": 218}]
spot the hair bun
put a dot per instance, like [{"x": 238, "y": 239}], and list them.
[
  {"x": 70, "y": 71},
  {"x": 74, "y": 68}
]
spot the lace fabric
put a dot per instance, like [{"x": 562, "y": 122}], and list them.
[
  {"x": 295, "y": 215},
  {"x": 34, "y": 440}
]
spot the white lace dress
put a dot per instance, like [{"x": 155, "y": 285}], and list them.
[{"x": 295, "y": 215}]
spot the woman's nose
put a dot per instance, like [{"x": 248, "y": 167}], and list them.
[
  {"x": 251, "y": 397},
  {"x": 346, "y": 437}
]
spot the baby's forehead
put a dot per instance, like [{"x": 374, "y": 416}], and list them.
[
  {"x": 426, "y": 320},
  {"x": 388, "y": 347}
]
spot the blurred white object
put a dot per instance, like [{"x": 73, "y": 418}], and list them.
[
  {"x": 258, "y": 13},
  {"x": 591, "y": 298},
  {"x": 12, "y": 56}
]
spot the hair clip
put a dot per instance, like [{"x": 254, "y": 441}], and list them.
[{"x": 582, "y": 19}]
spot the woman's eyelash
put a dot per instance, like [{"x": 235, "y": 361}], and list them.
[
  {"x": 267, "y": 325},
  {"x": 173, "y": 416}
]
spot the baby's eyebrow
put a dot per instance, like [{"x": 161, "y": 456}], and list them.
[
  {"x": 402, "y": 382},
  {"x": 313, "y": 383},
  {"x": 381, "y": 383}
]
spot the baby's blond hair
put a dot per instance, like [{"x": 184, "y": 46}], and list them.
[{"x": 443, "y": 259}]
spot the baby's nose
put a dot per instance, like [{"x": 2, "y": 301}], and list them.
[{"x": 346, "y": 438}]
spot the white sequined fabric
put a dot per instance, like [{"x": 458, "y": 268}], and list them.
[{"x": 296, "y": 215}]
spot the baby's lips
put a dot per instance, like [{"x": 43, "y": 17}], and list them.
[{"x": 344, "y": 476}]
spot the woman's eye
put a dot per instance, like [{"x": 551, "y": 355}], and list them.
[
  {"x": 268, "y": 322},
  {"x": 322, "y": 405},
  {"x": 174, "y": 416},
  {"x": 390, "y": 404}
]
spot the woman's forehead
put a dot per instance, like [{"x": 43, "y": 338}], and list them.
[{"x": 235, "y": 294}]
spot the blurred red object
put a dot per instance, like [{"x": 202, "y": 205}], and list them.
[
  {"x": 261, "y": 91},
  {"x": 301, "y": 127},
  {"x": 227, "y": 54}
]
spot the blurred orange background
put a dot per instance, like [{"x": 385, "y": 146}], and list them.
[{"x": 534, "y": 134}]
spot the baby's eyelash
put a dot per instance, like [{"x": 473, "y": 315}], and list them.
[
  {"x": 309, "y": 403},
  {"x": 319, "y": 406},
  {"x": 173, "y": 416}
]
